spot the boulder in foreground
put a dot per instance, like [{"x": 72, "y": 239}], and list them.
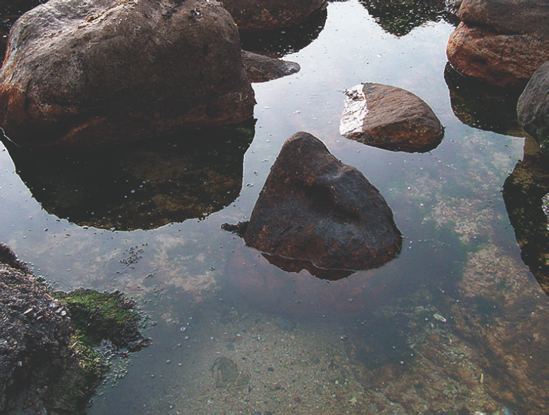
[
  {"x": 315, "y": 208},
  {"x": 81, "y": 74}
]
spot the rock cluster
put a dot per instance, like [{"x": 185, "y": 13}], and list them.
[{"x": 500, "y": 42}]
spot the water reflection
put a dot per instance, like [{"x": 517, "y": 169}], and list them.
[
  {"x": 523, "y": 193},
  {"x": 145, "y": 186},
  {"x": 400, "y": 17},
  {"x": 288, "y": 40},
  {"x": 483, "y": 106},
  {"x": 296, "y": 265}
]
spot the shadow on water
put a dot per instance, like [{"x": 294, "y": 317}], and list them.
[
  {"x": 284, "y": 41},
  {"x": 148, "y": 185},
  {"x": 524, "y": 194},
  {"x": 483, "y": 106},
  {"x": 400, "y": 17}
]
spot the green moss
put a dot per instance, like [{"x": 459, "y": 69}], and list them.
[{"x": 102, "y": 316}]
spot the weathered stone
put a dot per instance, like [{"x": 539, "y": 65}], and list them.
[
  {"x": 256, "y": 15},
  {"x": 533, "y": 107},
  {"x": 391, "y": 118},
  {"x": 81, "y": 74},
  {"x": 144, "y": 185},
  {"x": 261, "y": 68},
  {"x": 500, "y": 42},
  {"x": 317, "y": 209}
]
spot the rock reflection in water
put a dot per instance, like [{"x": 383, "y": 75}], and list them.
[
  {"x": 400, "y": 17},
  {"x": 523, "y": 193},
  {"x": 483, "y": 106},
  {"x": 296, "y": 265},
  {"x": 288, "y": 40},
  {"x": 145, "y": 186}
]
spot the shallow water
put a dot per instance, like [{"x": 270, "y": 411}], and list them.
[{"x": 456, "y": 323}]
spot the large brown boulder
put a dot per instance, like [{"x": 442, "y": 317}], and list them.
[
  {"x": 391, "y": 118},
  {"x": 533, "y": 107},
  {"x": 317, "y": 209},
  {"x": 500, "y": 42},
  {"x": 257, "y": 15},
  {"x": 81, "y": 74}
]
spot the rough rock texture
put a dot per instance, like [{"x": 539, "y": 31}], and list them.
[
  {"x": 257, "y": 15},
  {"x": 81, "y": 74},
  {"x": 142, "y": 186},
  {"x": 391, "y": 118},
  {"x": 261, "y": 68},
  {"x": 34, "y": 339},
  {"x": 533, "y": 107},
  {"x": 500, "y": 42},
  {"x": 315, "y": 208}
]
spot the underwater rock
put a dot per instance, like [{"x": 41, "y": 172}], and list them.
[
  {"x": 500, "y": 42},
  {"x": 257, "y": 15},
  {"x": 46, "y": 365},
  {"x": 481, "y": 105},
  {"x": 189, "y": 175},
  {"x": 317, "y": 209},
  {"x": 523, "y": 193},
  {"x": 287, "y": 40},
  {"x": 391, "y": 118},
  {"x": 80, "y": 75},
  {"x": 261, "y": 68},
  {"x": 400, "y": 17},
  {"x": 533, "y": 107}
]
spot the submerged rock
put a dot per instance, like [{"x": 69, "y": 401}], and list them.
[
  {"x": 47, "y": 360},
  {"x": 391, "y": 118},
  {"x": 500, "y": 42},
  {"x": 256, "y": 15},
  {"x": 315, "y": 208},
  {"x": 148, "y": 185},
  {"x": 81, "y": 75},
  {"x": 261, "y": 68},
  {"x": 533, "y": 107}
]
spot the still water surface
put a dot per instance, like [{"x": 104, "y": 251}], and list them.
[{"x": 453, "y": 324}]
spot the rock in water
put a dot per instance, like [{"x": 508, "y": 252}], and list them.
[
  {"x": 261, "y": 68},
  {"x": 315, "y": 208},
  {"x": 533, "y": 107},
  {"x": 80, "y": 74},
  {"x": 391, "y": 118},
  {"x": 500, "y": 42}
]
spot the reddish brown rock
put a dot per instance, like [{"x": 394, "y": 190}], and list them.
[
  {"x": 500, "y": 42},
  {"x": 257, "y": 15},
  {"x": 391, "y": 118},
  {"x": 317, "y": 209},
  {"x": 90, "y": 74}
]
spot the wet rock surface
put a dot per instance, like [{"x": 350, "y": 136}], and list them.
[
  {"x": 317, "y": 209},
  {"x": 533, "y": 107},
  {"x": 35, "y": 336},
  {"x": 498, "y": 42},
  {"x": 261, "y": 68},
  {"x": 143, "y": 187},
  {"x": 256, "y": 15},
  {"x": 81, "y": 75},
  {"x": 391, "y": 118}
]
